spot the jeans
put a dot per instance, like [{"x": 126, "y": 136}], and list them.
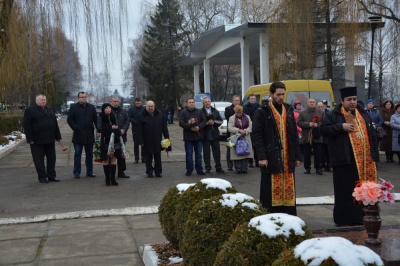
[
  {"x": 88, "y": 161},
  {"x": 197, "y": 146}
]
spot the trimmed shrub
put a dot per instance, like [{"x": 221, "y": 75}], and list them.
[
  {"x": 328, "y": 251},
  {"x": 211, "y": 222},
  {"x": 167, "y": 211},
  {"x": 3, "y": 140},
  {"x": 204, "y": 189},
  {"x": 260, "y": 241},
  {"x": 11, "y": 122}
]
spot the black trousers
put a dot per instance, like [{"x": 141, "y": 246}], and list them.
[
  {"x": 39, "y": 152},
  {"x": 157, "y": 163},
  {"x": 266, "y": 197},
  {"x": 136, "y": 149},
  {"x": 213, "y": 145},
  {"x": 228, "y": 158},
  {"x": 325, "y": 156},
  {"x": 120, "y": 163},
  {"x": 317, "y": 147}
]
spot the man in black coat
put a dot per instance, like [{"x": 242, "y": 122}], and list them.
[
  {"x": 277, "y": 146},
  {"x": 41, "y": 130},
  {"x": 134, "y": 114},
  {"x": 82, "y": 118},
  {"x": 150, "y": 129},
  {"x": 228, "y": 113},
  {"x": 353, "y": 152},
  {"x": 192, "y": 136},
  {"x": 211, "y": 136},
  {"x": 123, "y": 124}
]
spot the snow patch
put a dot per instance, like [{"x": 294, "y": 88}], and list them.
[{"x": 275, "y": 224}]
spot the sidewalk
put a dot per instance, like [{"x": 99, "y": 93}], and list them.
[{"x": 122, "y": 219}]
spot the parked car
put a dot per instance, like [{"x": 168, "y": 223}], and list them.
[{"x": 220, "y": 106}]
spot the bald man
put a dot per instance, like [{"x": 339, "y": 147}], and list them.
[{"x": 151, "y": 127}]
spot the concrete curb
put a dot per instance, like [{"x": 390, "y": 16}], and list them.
[{"x": 6, "y": 151}]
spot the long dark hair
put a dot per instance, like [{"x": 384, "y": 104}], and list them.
[{"x": 391, "y": 104}]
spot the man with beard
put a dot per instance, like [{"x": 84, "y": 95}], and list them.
[
  {"x": 123, "y": 125},
  {"x": 353, "y": 151},
  {"x": 277, "y": 146}
]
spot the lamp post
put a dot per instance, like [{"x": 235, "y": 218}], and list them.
[{"x": 374, "y": 20}]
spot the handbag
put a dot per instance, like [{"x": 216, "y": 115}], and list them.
[
  {"x": 381, "y": 133},
  {"x": 242, "y": 147}
]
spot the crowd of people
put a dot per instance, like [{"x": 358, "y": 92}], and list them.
[{"x": 276, "y": 137}]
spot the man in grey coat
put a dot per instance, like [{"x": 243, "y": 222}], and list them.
[
  {"x": 82, "y": 118},
  {"x": 309, "y": 120}
]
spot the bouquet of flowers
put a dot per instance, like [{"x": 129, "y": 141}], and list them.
[
  {"x": 97, "y": 151},
  {"x": 210, "y": 116},
  {"x": 192, "y": 122},
  {"x": 313, "y": 132},
  {"x": 369, "y": 193}
]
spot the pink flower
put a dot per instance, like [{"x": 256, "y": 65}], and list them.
[{"x": 369, "y": 193}]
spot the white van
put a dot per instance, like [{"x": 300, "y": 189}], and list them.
[{"x": 220, "y": 107}]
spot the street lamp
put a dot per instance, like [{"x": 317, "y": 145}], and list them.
[{"x": 374, "y": 20}]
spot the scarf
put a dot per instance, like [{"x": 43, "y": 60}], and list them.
[{"x": 243, "y": 123}]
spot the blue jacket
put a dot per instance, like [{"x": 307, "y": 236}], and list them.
[{"x": 375, "y": 116}]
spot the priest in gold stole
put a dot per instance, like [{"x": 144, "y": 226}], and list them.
[
  {"x": 353, "y": 151},
  {"x": 277, "y": 146}
]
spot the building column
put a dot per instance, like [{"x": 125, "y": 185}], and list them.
[
  {"x": 251, "y": 75},
  {"x": 206, "y": 64},
  {"x": 264, "y": 57},
  {"x": 245, "y": 61},
  {"x": 196, "y": 75},
  {"x": 349, "y": 61}
]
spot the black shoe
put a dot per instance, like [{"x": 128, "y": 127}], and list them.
[
  {"x": 319, "y": 172},
  {"x": 136, "y": 162},
  {"x": 188, "y": 174},
  {"x": 77, "y": 177},
  {"x": 44, "y": 180},
  {"x": 244, "y": 172},
  {"x": 221, "y": 171},
  {"x": 143, "y": 161},
  {"x": 158, "y": 175},
  {"x": 230, "y": 169},
  {"x": 123, "y": 175},
  {"x": 54, "y": 180},
  {"x": 307, "y": 172},
  {"x": 92, "y": 175},
  {"x": 201, "y": 173},
  {"x": 208, "y": 171},
  {"x": 150, "y": 176}
]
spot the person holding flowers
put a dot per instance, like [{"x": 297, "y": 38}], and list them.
[
  {"x": 310, "y": 120},
  {"x": 353, "y": 152},
  {"x": 150, "y": 128},
  {"x": 110, "y": 142},
  {"x": 211, "y": 136},
  {"x": 193, "y": 121}
]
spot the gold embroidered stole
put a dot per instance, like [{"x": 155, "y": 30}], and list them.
[
  {"x": 283, "y": 190},
  {"x": 361, "y": 147}
]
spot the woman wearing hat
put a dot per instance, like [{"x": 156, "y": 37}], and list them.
[
  {"x": 106, "y": 125},
  {"x": 386, "y": 143},
  {"x": 395, "y": 124}
]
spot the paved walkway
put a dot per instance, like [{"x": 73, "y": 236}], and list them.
[{"x": 37, "y": 225}]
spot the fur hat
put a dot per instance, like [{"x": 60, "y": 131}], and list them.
[{"x": 104, "y": 106}]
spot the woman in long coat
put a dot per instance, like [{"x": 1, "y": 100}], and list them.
[
  {"x": 240, "y": 123},
  {"x": 386, "y": 143},
  {"x": 395, "y": 124}
]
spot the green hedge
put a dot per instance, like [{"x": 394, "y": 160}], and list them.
[{"x": 11, "y": 122}]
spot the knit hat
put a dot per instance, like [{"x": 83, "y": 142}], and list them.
[
  {"x": 370, "y": 101},
  {"x": 104, "y": 106}
]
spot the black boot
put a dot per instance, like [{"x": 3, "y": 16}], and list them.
[
  {"x": 107, "y": 174},
  {"x": 391, "y": 157},
  {"x": 387, "y": 157},
  {"x": 113, "y": 169}
]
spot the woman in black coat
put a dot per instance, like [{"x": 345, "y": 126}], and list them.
[{"x": 106, "y": 125}]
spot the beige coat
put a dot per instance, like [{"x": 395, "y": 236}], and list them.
[{"x": 233, "y": 130}]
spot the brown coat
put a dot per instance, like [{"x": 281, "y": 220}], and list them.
[{"x": 386, "y": 144}]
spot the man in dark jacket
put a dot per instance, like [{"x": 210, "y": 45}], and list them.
[
  {"x": 123, "y": 125},
  {"x": 150, "y": 129},
  {"x": 192, "y": 121},
  {"x": 82, "y": 118},
  {"x": 277, "y": 146},
  {"x": 249, "y": 109},
  {"x": 211, "y": 136},
  {"x": 134, "y": 114},
  {"x": 41, "y": 130},
  {"x": 310, "y": 120},
  {"x": 353, "y": 151},
  {"x": 228, "y": 113}
]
